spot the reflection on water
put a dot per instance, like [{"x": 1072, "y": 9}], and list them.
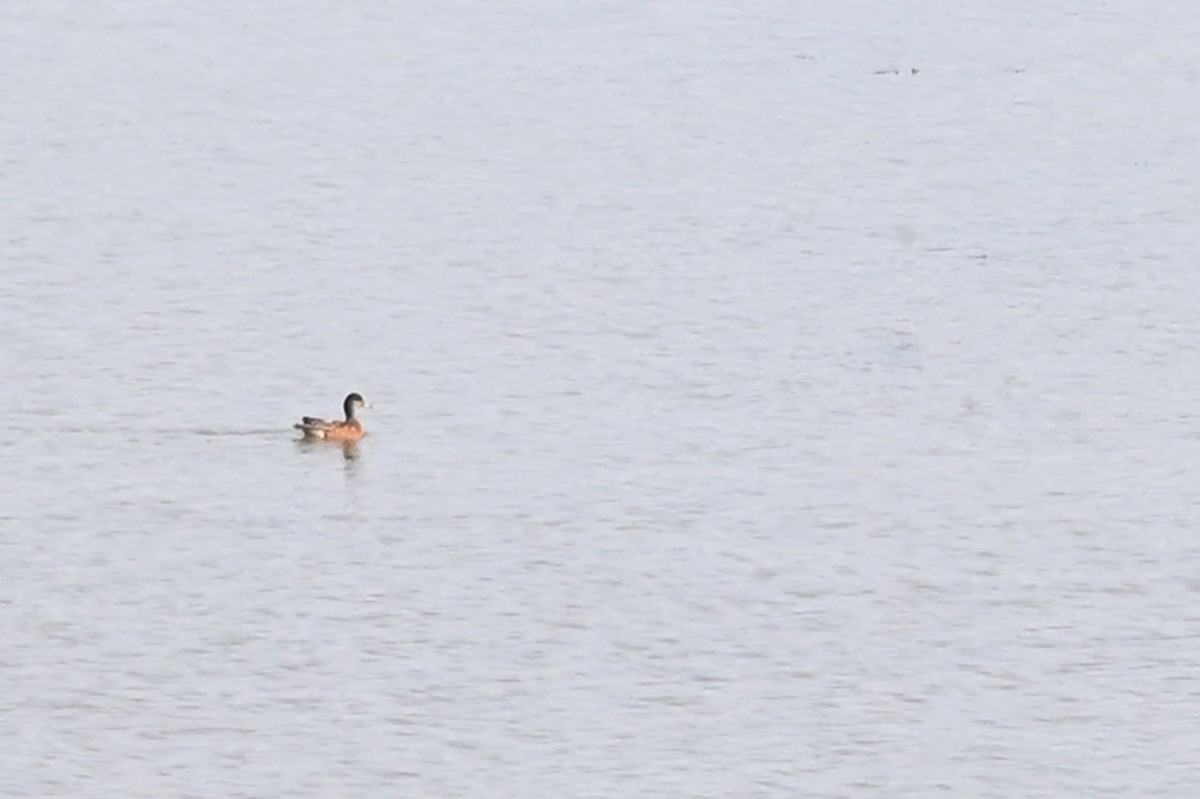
[{"x": 350, "y": 449}]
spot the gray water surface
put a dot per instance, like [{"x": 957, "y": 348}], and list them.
[{"x": 774, "y": 399}]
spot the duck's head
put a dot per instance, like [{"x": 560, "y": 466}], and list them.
[{"x": 353, "y": 403}]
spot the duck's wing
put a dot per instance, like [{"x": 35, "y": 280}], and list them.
[{"x": 311, "y": 424}]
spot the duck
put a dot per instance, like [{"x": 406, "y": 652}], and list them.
[{"x": 349, "y": 430}]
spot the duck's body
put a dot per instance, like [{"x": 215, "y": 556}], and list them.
[{"x": 349, "y": 430}]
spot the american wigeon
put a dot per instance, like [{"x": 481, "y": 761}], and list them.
[{"x": 349, "y": 430}]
